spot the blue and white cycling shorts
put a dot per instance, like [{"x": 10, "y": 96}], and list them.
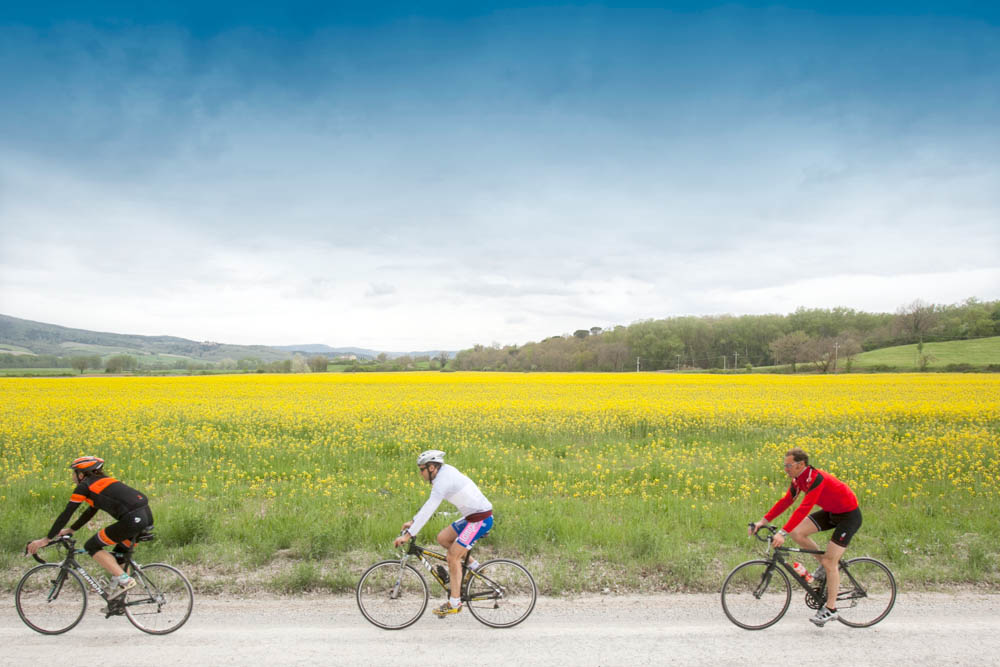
[{"x": 469, "y": 533}]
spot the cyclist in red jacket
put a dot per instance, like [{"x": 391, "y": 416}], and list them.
[
  {"x": 129, "y": 508},
  {"x": 839, "y": 512}
]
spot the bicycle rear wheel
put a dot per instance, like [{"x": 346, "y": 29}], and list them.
[
  {"x": 161, "y": 600},
  {"x": 392, "y": 595},
  {"x": 50, "y": 600},
  {"x": 500, "y": 593},
  {"x": 867, "y": 592},
  {"x": 756, "y": 594}
]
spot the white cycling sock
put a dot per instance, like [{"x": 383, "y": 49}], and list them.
[
  {"x": 473, "y": 564},
  {"x": 455, "y": 602}
]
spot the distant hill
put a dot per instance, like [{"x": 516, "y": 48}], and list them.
[{"x": 19, "y": 336}]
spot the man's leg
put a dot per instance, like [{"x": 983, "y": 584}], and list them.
[
  {"x": 447, "y": 537},
  {"x": 802, "y": 533},
  {"x": 831, "y": 563},
  {"x": 108, "y": 562},
  {"x": 106, "y": 537},
  {"x": 456, "y": 554}
]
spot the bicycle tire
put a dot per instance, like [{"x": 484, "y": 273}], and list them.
[
  {"x": 392, "y": 596},
  {"x": 500, "y": 593},
  {"x": 50, "y": 599},
  {"x": 755, "y": 595},
  {"x": 161, "y": 601},
  {"x": 867, "y": 592}
]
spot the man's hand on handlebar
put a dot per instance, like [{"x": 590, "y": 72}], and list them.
[
  {"x": 403, "y": 538},
  {"x": 35, "y": 545}
]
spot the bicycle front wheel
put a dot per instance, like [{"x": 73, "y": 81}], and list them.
[
  {"x": 756, "y": 594},
  {"x": 50, "y": 600},
  {"x": 161, "y": 601},
  {"x": 867, "y": 592},
  {"x": 392, "y": 595},
  {"x": 500, "y": 593}
]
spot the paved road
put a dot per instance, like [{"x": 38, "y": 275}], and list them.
[{"x": 923, "y": 629}]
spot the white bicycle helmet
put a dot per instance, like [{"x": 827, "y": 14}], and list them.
[{"x": 430, "y": 456}]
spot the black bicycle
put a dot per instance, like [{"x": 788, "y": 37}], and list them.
[
  {"x": 393, "y": 594},
  {"x": 756, "y": 594},
  {"x": 51, "y": 598}
]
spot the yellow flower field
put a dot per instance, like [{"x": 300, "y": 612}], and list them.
[{"x": 223, "y": 456}]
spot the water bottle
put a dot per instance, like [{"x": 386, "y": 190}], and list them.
[{"x": 801, "y": 570}]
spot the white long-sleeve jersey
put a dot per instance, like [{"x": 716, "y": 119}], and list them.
[{"x": 451, "y": 485}]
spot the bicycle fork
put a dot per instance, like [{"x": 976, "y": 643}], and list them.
[
  {"x": 57, "y": 585},
  {"x": 765, "y": 581},
  {"x": 394, "y": 591}
]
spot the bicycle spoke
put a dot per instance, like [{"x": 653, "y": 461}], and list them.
[
  {"x": 162, "y": 600},
  {"x": 501, "y": 593},
  {"x": 756, "y": 595},
  {"x": 392, "y": 595},
  {"x": 867, "y": 592},
  {"x": 50, "y": 600}
]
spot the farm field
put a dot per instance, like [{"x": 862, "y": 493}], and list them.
[
  {"x": 637, "y": 482},
  {"x": 977, "y": 353}
]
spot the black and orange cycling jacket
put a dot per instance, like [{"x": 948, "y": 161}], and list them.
[{"x": 101, "y": 493}]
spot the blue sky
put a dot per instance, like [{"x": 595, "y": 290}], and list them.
[{"x": 409, "y": 180}]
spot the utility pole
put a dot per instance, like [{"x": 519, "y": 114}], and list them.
[
  {"x": 736, "y": 359},
  {"x": 637, "y": 364},
  {"x": 678, "y": 363},
  {"x": 836, "y": 350},
  {"x": 724, "y": 360}
]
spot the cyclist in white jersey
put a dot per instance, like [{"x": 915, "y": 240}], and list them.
[{"x": 447, "y": 483}]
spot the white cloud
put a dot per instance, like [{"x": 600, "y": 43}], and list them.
[{"x": 346, "y": 196}]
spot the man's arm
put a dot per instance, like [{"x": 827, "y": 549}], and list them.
[
  {"x": 425, "y": 513},
  {"x": 64, "y": 517},
  {"x": 783, "y": 503},
  {"x": 810, "y": 500},
  {"x": 84, "y": 518}
]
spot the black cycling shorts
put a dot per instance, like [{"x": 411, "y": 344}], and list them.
[
  {"x": 122, "y": 531},
  {"x": 846, "y": 524}
]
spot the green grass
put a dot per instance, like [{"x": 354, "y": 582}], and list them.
[
  {"x": 337, "y": 368},
  {"x": 978, "y": 353}
]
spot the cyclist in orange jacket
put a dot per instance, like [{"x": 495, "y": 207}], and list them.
[{"x": 129, "y": 508}]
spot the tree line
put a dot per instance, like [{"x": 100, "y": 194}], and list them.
[
  {"x": 817, "y": 337},
  {"x": 125, "y": 363}
]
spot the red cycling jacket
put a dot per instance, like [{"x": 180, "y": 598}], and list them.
[{"x": 821, "y": 488}]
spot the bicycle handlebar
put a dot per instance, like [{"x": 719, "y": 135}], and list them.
[
  {"x": 411, "y": 544},
  {"x": 771, "y": 530},
  {"x": 63, "y": 541}
]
